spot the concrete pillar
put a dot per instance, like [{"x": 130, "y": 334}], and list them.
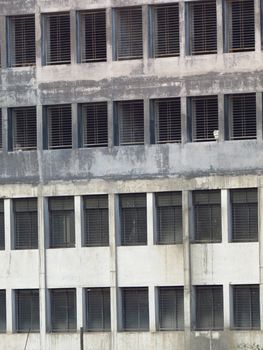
[
  {"x": 10, "y": 312},
  {"x": 221, "y": 117},
  {"x": 109, "y": 35},
  {"x": 259, "y": 115},
  {"x": 219, "y": 19},
  {"x": 152, "y": 309},
  {"x": 80, "y": 307},
  {"x": 8, "y": 224},
  {"x": 150, "y": 218},
  {"x": 184, "y": 120},
  {"x": 260, "y": 239},
  {"x": 257, "y": 7},
  {"x": 3, "y": 41},
  {"x": 5, "y": 129},
  {"x": 38, "y": 37},
  {"x": 145, "y": 38},
  {"x": 75, "y": 135},
  {"x": 73, "y": 36},
  {"x": 78, "y": 221},
  {"x": 226, "y": 302},
  {"x": 182, "y": 28},
  {"x": 226, "y": 216}
]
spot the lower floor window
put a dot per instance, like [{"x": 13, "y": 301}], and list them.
[
  {"x": 63, "y": 310},
  {"x": 27, "y": 310}
]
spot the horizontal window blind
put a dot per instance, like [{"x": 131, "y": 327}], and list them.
[
  {"x": 2, "y": 225},
  {"x": 171, "y": 308},
  {"x": 59, "y": 126},
  {"x": 98, "y": 309},
  {"x": 2, "y": 311},
  {"x": 27, "y": 309},
  {"x": 63, "y": 310},
  {"x": 24, "y": 122}
]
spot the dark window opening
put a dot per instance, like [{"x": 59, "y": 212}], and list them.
[
  {"x": 27, "y": 310},
  {"x": 2, "y": 225},
  {"x": 2, "y": 311},
  {"x": 98, "y": 309},
  {"x": 63, "y": 310}
]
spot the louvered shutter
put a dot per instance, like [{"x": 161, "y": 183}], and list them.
[
  {"x": 2, "y": 311},
  {"x": 135, "y": 309},
  {"x": 63, "y": 310},
  {"x": 131, "y": 122},
  {"x": 26, "y": 224},
  {"x": 207, "y": 213},
  {"x": 62, "y": 222},
  {"x": 129, "y": 38},
  {"x": 24, "y": 122},
  {"x": 133, "y": 219},
  {"x": 93, "y": 43},
  {"x": 95, "y": 124},
  {"x": 59, "y": 126},
  {"x": 166, "y": 30},
  {"x": 244, "y": 215},
  {"x": 171, "y": 308},
  {"x": 204, "y": 118},
  {"x": 98, "y": 309},
  {"x": 2, "y": 225},
  {"x": 1, "y": 128},
  {"x": 203, "y": 27},
  {"x": 27, "y": 305},
  {"x": 169, "y": 217}
]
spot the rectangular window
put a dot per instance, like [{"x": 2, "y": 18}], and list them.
[
  {"x": 2, "y": 311},
  {"x": 244, "y": 205},
  {"x": 95, "y": 124},
  {"x": 209, "y": 314},
  {"x": 207, "y": 216},
  {"x": 242, "y": 117},
  {"x": 133, "y": 219},
  {"x": 23, "y": 123},
  {"x": 2, "y": 225},
  {"x": 129, "y": 37},
  {"x": 130, "y": 121},
  {"x": 22, "y": 50},
  {"x": 171, "y": 308},
  {"x": 93, "y": 41},
  {"x": 246, "y": 307},
  {"x": 57, "y": 38},
  {"x": 63, "y": 310},
  {"x": 98, "y": 309},
  {"x": 135, "y": 309},
  {"x": 61, "y": 222},
  {"x": 96, "y": 221},
  {"x": 27, "y": 310},
  {"x": 59, "y": 122},
  {"x": 204, "y": 110},
  {"x": 169, "y": 217},
  {"x": 167, "y": 120},
  {"x": 166, "y": 40},
  {"x": 202, "y": 27},
  {"x": 25, "y": 223}
]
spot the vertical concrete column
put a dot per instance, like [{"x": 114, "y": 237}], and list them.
[
  {"x": 5, "y": 129},
  {"x": 259, "y": 115},
  {"x": 258, "y": 39},
  {"x": 3, "y": 41},
  {"x": 78, "y": 221},
  {"x": 182, "y": 28},
  {"x": 221, "y": 117},
  {"x": 226, "y": 216},
  {"x": 38, "y": 30},
  {"x": 152, "y": 309},
  {"x": 73, "y": 36},
  {"x": 80, "y": 303},
  {"x": 226, "y": 301},
  {"x": 110, "y": 124},
  {"x": 75, "y": 134},
  {"x": 145, "y": 37},
  {"x": 146, "y": 121},
  {"x": 150, "y": 218},
  {"x": 260, "y": 239},
  {"x": 219, "y": 19},
  {"x": 10, "y": 311},
  {"x": 109, "y": 33},
  {"x": 184, "y": 120},
  {"x": 8, "y": 224}
]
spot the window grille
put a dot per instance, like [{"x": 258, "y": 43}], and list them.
[
  {"x": 242, "y": 116},
  {"x": 95, "y": 124},
  {"x": 27, "y": 310},
  {"x": 171, "y": 308},
  {"x": 244, "y": 215},
  {"x": 59, "y": 126},
  {"x": 166, "y": 30},
  {"x": 63, "y": 310},
  {"x": 62, "y": 222},
  {"x": 204, "y": 118},
  {"x": 24, "y": 125},
  {"x": 131, "y": 122},
  {"x": 167, "y": 120},
  {"x": 93, "y": 43},
  {"x": 22, "y": 41},
  {"x": 203, "y": 27},
  {"x": 1, "y": 136},
  {"x": 169, "y": 217},
  {"x": 246, "y": 307},
  {"x": 207, "y": 215},
  {"x": 209, "y": 308},
  {"x": 133, "y": 219},
  {"x": 135, "y": 309},
  {"x": 57, "y": 38},
  {"x": 129, "y": 37},
  {"x": 98, "y": 309},
  {"x": 25, "y": 223},
  {"x": 2, "y": 311},
  {"x": 2, "y": 225}
]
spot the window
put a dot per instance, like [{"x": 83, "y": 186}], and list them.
[
  {"x": 59, "y": 125},
  {"x": 246, "y": 307},
  {"x": 135, "y": 309},
  {"x": 133, "y": 219},
  {"x": 171, "y": 308},
  {"x": 239, "y": 25},
  {"x": 27, "y": 310},
  {"x": 95, "y": 124},
  {"x": 98, "y": 309},
  {"x": 2, "y": 225},
  {"x": 167, "y": 120},
  {"x": 204, "y": 110},
  {"x": 96, "y": 220},
  {"x": 23, "y": 123},
  {"x": 166, "y": 41},
  {"x": 93, "y": 43},
  {"x": 169, "y": 217},
  {"x": 25, "y": 223},
  {"x": 202, "y": 27},
  {"x": 129, "y": 38},
  {"x": 22, "y": 51},
  {"x": 244, "y": 205},
  {"x": 57, "y": 38},
  {"x": 62, "y": 222},
  {"x": 207, "y": 216},
  {"x": 2, "y": 311},
  {"x": 209, "y": 313},
  {"x": 242, "y": 119},
  {"x": 130, "y": 123},
  {"x": 63, "y": 310}
]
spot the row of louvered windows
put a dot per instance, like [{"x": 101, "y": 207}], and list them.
[
  {"x": 134, "y": 304},
  {"x": 201, "y": 17}
]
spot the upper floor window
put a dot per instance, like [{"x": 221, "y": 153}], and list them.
[
  {"x": 27, "y": 310},
  {"x": 2, "y": 311},
  {"x": 63, "y": 310},
  {"x": 2, "y": 225},
  {"x": 98, "y": 317}
]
